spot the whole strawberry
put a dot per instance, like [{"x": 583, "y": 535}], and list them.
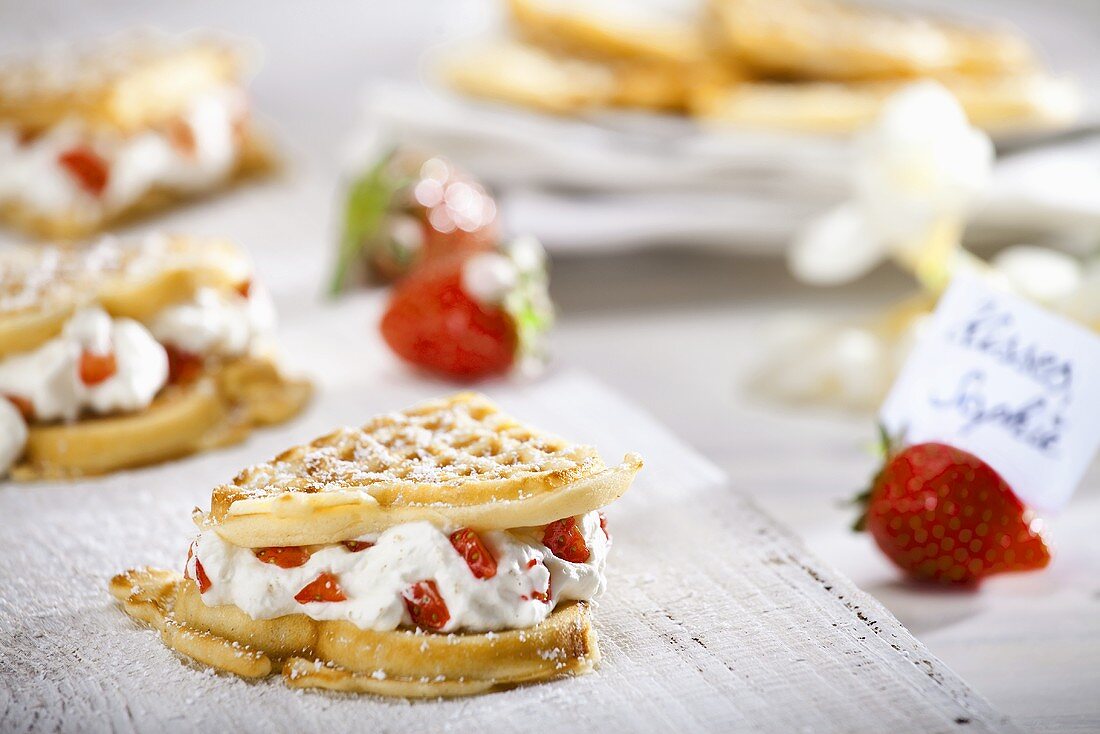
[
  {"x": 942, "y": 514},
  {"x": 471, "y": 317},
  {"x": 409, "y": 209}
]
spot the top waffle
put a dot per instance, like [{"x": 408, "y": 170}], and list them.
[
  {"x": 124, "y": 83},
  {"x": 41, "y": 286},
  {"x": 824, "y": 39},
  {"x": 456, "y": 461}
]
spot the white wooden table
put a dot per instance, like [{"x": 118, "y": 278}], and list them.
[{"x": 674, "y": 333}]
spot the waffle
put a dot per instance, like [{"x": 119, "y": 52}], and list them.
[
  {"x": 339, "y": 656},
  {"x": 453, "y": 462},
  {"x": 103, "y": 96},
  {"x": 601, "y": 30},
  {"x": 830, "y": 40},
  {"x": 457, "y": 462},
  {"x": 1003, "y": 104},
  {"x": 42, "y": 287},
  {"x": 219, "y": 409},
  {"x": 531, "y": 76},
  {"x": 125, "y": 83}
]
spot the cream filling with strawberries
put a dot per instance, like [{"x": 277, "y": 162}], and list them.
[
  {"x": 412, "y": 575},
  {"x": 97, "y": 364},
  {"x": 103, "y": 365},
  {"x": 109, "y": 173}
]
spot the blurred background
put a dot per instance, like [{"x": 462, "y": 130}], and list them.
[{"x": 673, "y": 211}]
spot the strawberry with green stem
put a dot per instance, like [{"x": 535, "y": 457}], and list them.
[
  {"x": 942, "y": 514},
  {"x": 473, "y": 317}
]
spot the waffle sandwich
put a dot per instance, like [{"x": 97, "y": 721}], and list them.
[
  {"x": 445, "y": 550},
  {"x": 131, "y": 124},
  {"x": 126, "y": 353}
]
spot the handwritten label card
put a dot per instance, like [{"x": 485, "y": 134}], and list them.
[{"x": 1007, "y": 381}]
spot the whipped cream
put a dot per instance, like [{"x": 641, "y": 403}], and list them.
[
  {"x": 13, "y": 436},
  {"x": 374, "y": 579},
  {"x": 49, "y": 377},
  {"x": 217, "y": 323},
  {"x": 31, "y": 174}
]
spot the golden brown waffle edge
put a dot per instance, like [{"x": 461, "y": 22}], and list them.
[{"x": 339, "y": 656}]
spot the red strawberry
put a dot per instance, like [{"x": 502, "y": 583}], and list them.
[
  {"x": 543, "y": 596},
  {"x": 942, "y": 514},
  {"x": 326, "y": 587},
  {"x": 287, "y": 556},
  {"x": 89, "y": 169},
  {"x": 565, "y": 541},
  {"x": 23, "y": 405},
  {"x": 183, "y": 366},
  {"x": 200, "y": 573},
  {"x": 357, "y": 545},
  {"x": 426, "y": 606},
  {"x": 201, "y": 577},
  {"x": 432, "y": 322},
  {"x": 181, "y": 136},
  {"x": 96, "y": 368},
  {"x": 470, "y": 546}
]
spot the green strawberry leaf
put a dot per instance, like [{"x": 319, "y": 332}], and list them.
[{"x": 368, "y": 199}]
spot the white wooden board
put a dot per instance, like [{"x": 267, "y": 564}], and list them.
[{"x": 717, "y": 618}]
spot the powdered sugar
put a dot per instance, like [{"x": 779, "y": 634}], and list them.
[{"x": 446, "y": 444}]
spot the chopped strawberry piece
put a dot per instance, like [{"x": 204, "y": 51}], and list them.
[
  {"x": 201, "y": 577},
  {"x": 357, "y": 545},
  {"x": 426, "y": 606},
  {"x": 471, "y": 547},
  {"x": 603, "y": 526},
  {"x": 543, "y": 596},
  {"x": 532, "y": 563},
  {"x": 96, "y": 368},
  {"x": 245, "y": 288},
  {"x": 183, "y": 366},
  {"x": 181, "y": 136},
  {"x": 565, "y": 541},
  {"x": 89, "y": 169},
  {"x": 286, "y": 556},
  {"x": 326, "y": 587},
  {"x": 431, "y": 322},
  {"x": 23, "y": 405}
]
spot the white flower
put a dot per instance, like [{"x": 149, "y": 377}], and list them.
[
  {"x": 919, "y": 167},
  {"x": 1046, "y": 276}
]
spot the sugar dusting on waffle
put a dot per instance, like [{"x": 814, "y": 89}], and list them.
[
  {"x": 33, "y": 276},
  {"x": 463, "y": 440}
]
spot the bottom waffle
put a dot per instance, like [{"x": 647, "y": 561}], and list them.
[
  {"x": 256, "y": 159},
  {"x": 342, "y": 657},
  {"x": 218, "y": 409}
]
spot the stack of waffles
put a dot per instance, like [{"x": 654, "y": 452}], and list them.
[
  {"x": 807, "y": 65},
  {"x": 445, "y": 550}
]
